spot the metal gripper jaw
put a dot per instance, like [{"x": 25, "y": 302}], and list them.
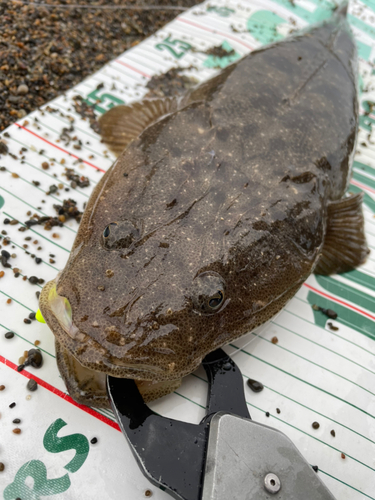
[{"x": 226, "y": 455}]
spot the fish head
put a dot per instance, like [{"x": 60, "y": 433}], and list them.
[{"x": 149, "y": 300}]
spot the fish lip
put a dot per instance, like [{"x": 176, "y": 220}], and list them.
[{"x": 132, "y": 370}]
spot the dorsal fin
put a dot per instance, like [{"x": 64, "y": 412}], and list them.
[
  {"x": 345, "y": 242},
  {"x": 122, "y": 124}
]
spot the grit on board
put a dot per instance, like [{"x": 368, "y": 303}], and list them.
[{"x": 312, "y": 374}]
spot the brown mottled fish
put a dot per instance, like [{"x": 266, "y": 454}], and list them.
[{"x": 218, "y": 208}]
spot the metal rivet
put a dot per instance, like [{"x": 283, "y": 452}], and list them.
[{"x": 272, "y": 483}]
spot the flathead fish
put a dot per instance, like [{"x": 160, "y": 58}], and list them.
[{"x": 219, "y": 207}]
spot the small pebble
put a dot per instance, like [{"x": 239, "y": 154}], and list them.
[
  {"x": 32, "y": 315},
  {"x": 9, "y": 335},
  {"x": 33, "y": 280},
  {"x": 343, "y": 456},
  {"x": 17, "y": 430},
  {"x": 9, "y": 301},
  {"x": 37, "y": 342},
  {"x": 267, "y": 413},
  {"x": 328, "y": 312},
  {"x": 94, "y": 440},
  {"x": 5, "y": 254},
  {"x": 32, "y": 385},
  {"x": 148, "y": 493},
  {"x": 315, "y": 425},
  {"x": 22, "y": 89},
  {"x": 2, "y": 387},
  {"x": 254, "y": 385},
  {"x": 2, "y": 466},
  {"x": 333, "y": 433},
  {"x": 45, "y": 165},
  {"x": 274, "y": 340},
  {"x": 332, "y": 327},
  {"x": 1, "y": 274},
  {"x": 38, "y": 260},
  {"x": 4, "y": 262},
  {"x": 27, "y": 321},
  {"x": 12, "y": 405},
  {"x": 315, "y": 468},
  {"x": 35, "y": 358},
  {"x": 331, "y": 314},
  {"x": 278, "y": 410},
  {"x": 16, "y": 421}
]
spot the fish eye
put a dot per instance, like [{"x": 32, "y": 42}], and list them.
[
  {"x": 119, "y": 235},
  {"x": 107, "y": 230},
  {"x": 208, "y": 292},
  {"x": 216, "y": 300}
]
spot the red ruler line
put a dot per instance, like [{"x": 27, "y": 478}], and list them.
[
  {"x": 61, "y": 394},
  {"x": 132, "y": 68},
  {"x": 211, "y": 30},
  {"x": 58, "y": 147},
  {"x": 339, "y": 301},
  {"x": 362, "y": 186}
]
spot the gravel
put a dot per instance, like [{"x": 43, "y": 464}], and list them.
[{"x": 46, "y": 51}]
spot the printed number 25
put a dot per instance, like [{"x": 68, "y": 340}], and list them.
[{"x": 177, "y": 48}]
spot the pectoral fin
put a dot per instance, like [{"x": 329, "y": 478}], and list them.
[
  {"x": 122, "y": 124},
  {"x": 345, "y": 242}
]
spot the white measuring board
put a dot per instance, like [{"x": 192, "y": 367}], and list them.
[{"x": 312, "y": 374}]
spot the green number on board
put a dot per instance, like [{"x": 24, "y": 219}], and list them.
[
  {"x": 77, "y": 442},
  {"x": 37, "y": 471},
  {"x": 221, "y": 11},
  {"x": 177, "y": 48},
  {"x": 107, "y": 101}
]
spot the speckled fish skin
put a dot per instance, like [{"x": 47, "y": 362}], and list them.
[{"x": 234, "y": 185}]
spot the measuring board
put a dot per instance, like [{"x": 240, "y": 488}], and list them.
[{"x": 312, "y": 374}]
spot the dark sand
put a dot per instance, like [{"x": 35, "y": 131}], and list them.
[{"x": 46, "y": 51}]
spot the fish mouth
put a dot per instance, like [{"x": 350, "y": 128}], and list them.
[{"x": 57, "y": 313}]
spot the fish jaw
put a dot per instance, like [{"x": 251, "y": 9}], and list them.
[
  {"x": 59, "y": 316},
  {"x": 88, "y": 387}
]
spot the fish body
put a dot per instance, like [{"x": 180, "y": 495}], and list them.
[{"x": 212, "y": 217}]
